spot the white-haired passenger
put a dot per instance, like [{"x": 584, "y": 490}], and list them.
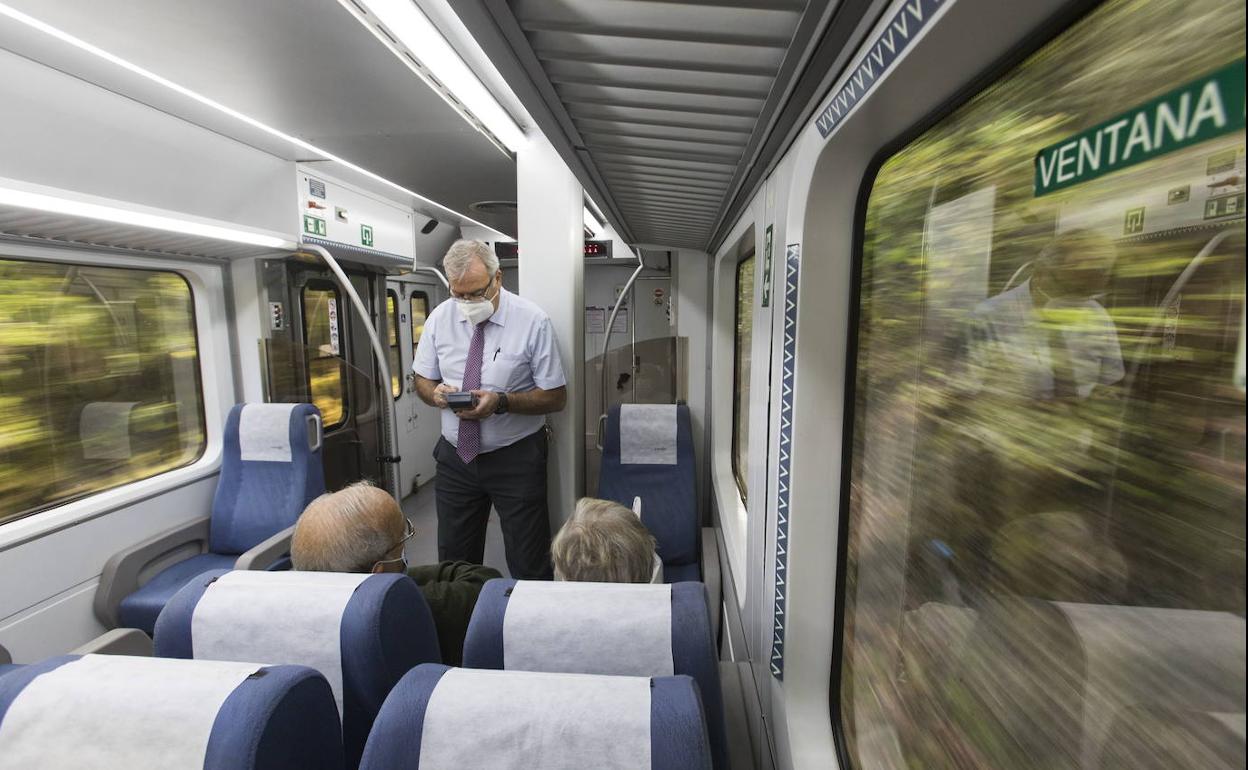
[
  {"x": 362, "y": 529},
  {"x": 604, "y": 542}
]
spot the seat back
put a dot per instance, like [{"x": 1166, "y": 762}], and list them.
[
  {"x": 648, "y": 453},
  {"x": 122, "y": 711},
  {"x": 270, "y": 471},
  {"x": 623, "y": 629},
  {"x": 362, "y": 632},
  {"x": 444, "y": 717}
]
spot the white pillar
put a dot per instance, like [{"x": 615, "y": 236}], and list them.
[{"x": 552, "y": 272}]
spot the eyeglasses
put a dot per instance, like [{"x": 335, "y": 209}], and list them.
[
  {"x": 474, "y": 296},
  {"x": 409, "y": 530}
]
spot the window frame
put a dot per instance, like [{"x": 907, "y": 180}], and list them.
[
  {"x": 411, "y": 317},
  {"x": 16, "y": 254},
  {"x": 322, "y": 284},
  {"x": 740, "y": 475},
  {"x": 396, "y": 377},
  {"x": 1067, "y": 16}
]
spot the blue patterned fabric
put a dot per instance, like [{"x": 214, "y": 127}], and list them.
[
  {"x": 141, "y": 608},
  {"x": 669, "y": 501},
  {"x": 256, "y": 500},
  {"x": 395, "y": 740},
  {"x": 693, "y": 648},
  {"x": 387, "y": 629},
  {"x": 280, "y": 718},
  {"x": 253, "y": 502},
  {"x": 677, "y": 732}
]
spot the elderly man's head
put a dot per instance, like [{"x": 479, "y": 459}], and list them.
[
  {"x": 603, "y": 542},
  {"x": 472, "y": 271},
  {"x": 356, "y": 529}
]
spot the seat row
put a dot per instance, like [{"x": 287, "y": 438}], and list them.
[{"x": 556, "y": 675}]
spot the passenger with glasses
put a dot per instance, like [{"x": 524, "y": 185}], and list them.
[{"x": 362, "y": 529}]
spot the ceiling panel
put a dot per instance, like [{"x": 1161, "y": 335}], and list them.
[
  {"x": 307, "y": 68},
  {"x": 661, "y": 97}
]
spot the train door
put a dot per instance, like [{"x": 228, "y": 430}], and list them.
[
  {"x": 419, "y": 425},
  {"x": 322, "y": 355}
]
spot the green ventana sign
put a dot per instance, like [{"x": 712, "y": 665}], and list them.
[{"x": 1202, "y": 109}]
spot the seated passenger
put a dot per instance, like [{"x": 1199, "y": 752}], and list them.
[
  {"x": 362, "y": 529},
  {"x": 604, "y": 542}
]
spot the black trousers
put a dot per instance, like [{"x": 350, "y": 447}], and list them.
[{"x": 513, "y": 480}]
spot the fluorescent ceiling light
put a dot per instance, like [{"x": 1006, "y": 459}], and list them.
[
  {"x": 83, "y": 45},
  {"x": 59, "y": 205},
  {"x": 412, "y": 28}
]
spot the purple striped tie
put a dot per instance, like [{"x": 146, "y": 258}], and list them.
[{"x": 469, "y": 445}]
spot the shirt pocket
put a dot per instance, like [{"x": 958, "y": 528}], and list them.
[{"x": 508, "y": 372}]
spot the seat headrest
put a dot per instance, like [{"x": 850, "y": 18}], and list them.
[
  {"x": 442, "y": 717},
  {"x": 275, "y": 432},
  {"x": 133, "y": 712},
  {"x": 104, "y": 430},
  {"x": 648, "y": 434}
]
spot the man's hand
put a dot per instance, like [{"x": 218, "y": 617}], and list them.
[
  {"x": 439, "y": 394},
  {"x": 487, "y": 404}
]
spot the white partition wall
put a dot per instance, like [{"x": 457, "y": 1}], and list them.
[{"x": 552, "y": 269}]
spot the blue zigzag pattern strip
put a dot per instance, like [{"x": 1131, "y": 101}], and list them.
[{"x": 791, "y": 259}]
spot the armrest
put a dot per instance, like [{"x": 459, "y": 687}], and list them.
[
  {"x": 120, "y": 577},
  {"x": 713, "y": 577},
  {"x": 119, "y": 641},
  {"x": 263, "y": 556}
]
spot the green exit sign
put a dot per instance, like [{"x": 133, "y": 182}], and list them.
[
  {"x": 314, "y": 225},
  {"x": 366, "y": 235}
]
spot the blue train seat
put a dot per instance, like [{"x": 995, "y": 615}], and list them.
[
  {"x": 625, "y": 629},
  {"x": 271, "y": 469},
  {"x": 123, "y": 711},
  {"x": 458, "y": 717},
  {"x": 648, "y": 453},
  {"x": 362, "y": 632}
]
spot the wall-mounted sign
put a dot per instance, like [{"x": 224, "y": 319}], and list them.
[
  {"x": 277, "y": 316},
  {"x": 1207, "y": 107},
  {"x": 767, "y": 239},
  {"x": 366, "y": 235}
]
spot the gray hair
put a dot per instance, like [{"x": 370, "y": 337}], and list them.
[
  {"x": 459, "y": 258},
  {"x": 345, "y": 531},
  {"x": 603, "y": 542}
]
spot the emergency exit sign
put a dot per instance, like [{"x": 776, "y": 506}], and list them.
[
  {"x": 366, "y": 235},
  {"x": 1207, "y": 107}
]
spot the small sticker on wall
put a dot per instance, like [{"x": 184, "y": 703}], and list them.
[
  {"x": 277, "y": 316},
  {"x": 335, "y": 345}
]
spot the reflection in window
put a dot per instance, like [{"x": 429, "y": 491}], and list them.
[
  {"x": 99, "y": 380},
  {"x": 327, "y": 370},
  {"x": 741, "y": 375},
  {"x": 1045, "y": 564},
  {"x": 420, "y": 311},
  {"x": 392, "y": 327}
]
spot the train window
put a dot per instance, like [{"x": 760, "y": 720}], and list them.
[
  {"x": 419, "y": 309},
  {"x": 396, "y": 360},
  {"x": 744, "y": 331},
  {"x": 99, "y": 380},
  {"x": 327, "y": 368},
  {"x": 1045, "y": 536}
]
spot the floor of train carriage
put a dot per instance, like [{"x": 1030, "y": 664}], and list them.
[{"x": 423, "y": 548}]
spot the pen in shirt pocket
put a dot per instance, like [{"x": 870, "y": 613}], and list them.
[{"x": 496, "y": 352}]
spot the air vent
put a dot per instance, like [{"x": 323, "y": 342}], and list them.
[{"x": 493, "y": 207}]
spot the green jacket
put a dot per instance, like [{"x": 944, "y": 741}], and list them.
[{"x": 451, "y": 589}]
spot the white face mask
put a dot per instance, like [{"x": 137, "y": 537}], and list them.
[{"x": 476, "y": 311}]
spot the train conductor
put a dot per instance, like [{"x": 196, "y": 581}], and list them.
[{"x": 500, "y": 348}]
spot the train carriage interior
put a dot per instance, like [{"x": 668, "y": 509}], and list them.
[{"x": 913, "y": 331}]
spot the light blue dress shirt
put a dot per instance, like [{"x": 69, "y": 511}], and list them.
[{"x": 520, "y": 355}]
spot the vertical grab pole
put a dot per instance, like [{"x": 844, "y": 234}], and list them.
[
  {"x": 606, "y": 342},
  {"x": 388, "y": 421}
]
